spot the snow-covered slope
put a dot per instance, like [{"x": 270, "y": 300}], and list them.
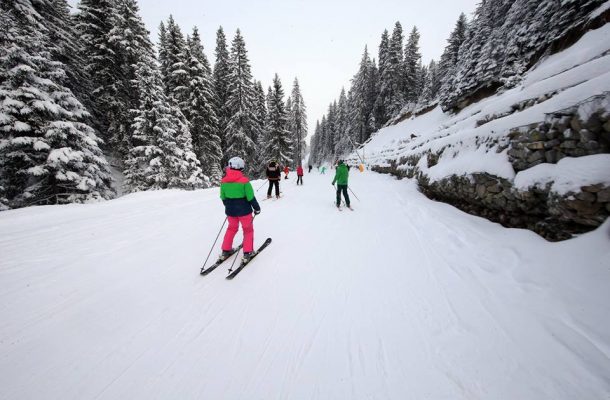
[
  {"x": 559, "y": 81},
  {"x": 402, "y": 298}
]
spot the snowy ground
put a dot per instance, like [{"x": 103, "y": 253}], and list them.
[{"x": 404, "y": 298}]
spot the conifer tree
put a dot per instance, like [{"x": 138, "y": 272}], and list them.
[
  {"x": 260, "y": 116},
  {"x": 412, "y": 67},
  {"x": 94, "y": 23},
  {"x": 298, "y": 122},
  {"x": 395, "y": 71},
  {"x": 176, "y": 77},
  {"x": 279, "y": 143},
  {"x": 241, "y": 126},
  {"x": 131, "y": 44},
  {"x": 65, "y": 45},
  {"x": 382, "y": 100},
  {"x": 48, "y": 153},
  {"x": 161, "y": 156},
  {"x": 343, "y": 145},
  {"x": 221, "y": 87},
  {"x": 200, "y": 110}
]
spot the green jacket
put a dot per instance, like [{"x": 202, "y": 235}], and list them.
[{"x": 341, "y": 175}]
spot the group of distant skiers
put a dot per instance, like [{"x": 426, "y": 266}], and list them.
[{"x": 240, "y": 203}]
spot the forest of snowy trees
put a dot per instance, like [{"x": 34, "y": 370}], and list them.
[
  {"x": 88, "y": 101},
  {"x": 485, "y": 55}
]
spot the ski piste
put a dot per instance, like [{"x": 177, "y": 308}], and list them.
[
  {"x": 205, "y": 271},
  {"x": 243, "y": 264}
]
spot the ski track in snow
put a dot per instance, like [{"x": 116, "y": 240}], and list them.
[{"x": 404, "y": 298}]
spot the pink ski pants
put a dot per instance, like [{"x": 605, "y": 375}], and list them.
[{"x": 246, "y": 224}]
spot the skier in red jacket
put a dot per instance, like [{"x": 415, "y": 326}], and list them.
[
  {"x": 286, "y": 171},
  {"x": 299, "y": 175}
]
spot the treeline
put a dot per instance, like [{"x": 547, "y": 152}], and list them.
[
  {"x": 488, "y": 54},
  {"x": 81, "y": 92}
]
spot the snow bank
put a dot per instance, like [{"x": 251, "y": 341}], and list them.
[
  {"x": 469, "y": 139},
  {"x": 568, "y": 175}
]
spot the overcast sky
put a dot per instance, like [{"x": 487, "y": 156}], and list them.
[{"x": 318, "y": 41}]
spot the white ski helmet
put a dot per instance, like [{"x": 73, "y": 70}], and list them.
[{"x": 237, "y": 163}]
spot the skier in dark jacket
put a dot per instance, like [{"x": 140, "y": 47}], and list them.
[
  {"x": 273, "y": 173},
  {"x": 310, "y": 167},
  {"x": 238, "y": 197},
  {"x": 341, "y": 177}
]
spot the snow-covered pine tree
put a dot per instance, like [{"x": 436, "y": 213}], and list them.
[
  {"x": 448, "y": 61},
  {"x": 241, "y": 125},
  {"x": 201, "y": 111},
  {"x": 395, "y": 71},
  {"x": 412, "y": 67},
  {"x": 94, "y": 23},
  {"x": 430, "y": 82},
  {"x": 260, "y": 115},
  {"x": 433, "y": 77},
  {"x": 382, "y": 100},
  {"x": 298, "y": 122},
  {"x": 48, "y": 154},
  {"x": 221, "y": 88},
  {"x": 65, "y": 45},
  {"x": 131, "y": 44},
  {"x": 176, "y": 55},
  {"x": 332, "y": 134},
  {"x": 343, "y": 143},
  {"x": 161, "y": 156},
  {"x": 314, "y": 147},
  {"x": 323, "y": 141},
  {"x": 162, "y": 49},
  {"x": 290, "y": 129},
  {"x": 279, "y": 143},
  {"x": 363, "y": 96}
]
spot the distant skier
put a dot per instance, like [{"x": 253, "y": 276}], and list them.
[
  {"x": 323, "y": 170},
  {"x": 310, "y": 167},
  {"x": 238, "y": 197},
  {"x": 286, "y": 171},
  {"x": 341, "y": 176},
  {"x": 274, "y": 175},
  {"x": 299, "y": 175}
]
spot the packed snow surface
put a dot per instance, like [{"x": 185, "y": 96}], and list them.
[{"x": 403, "y": 298}]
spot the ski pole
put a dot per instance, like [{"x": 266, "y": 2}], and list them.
[
  {"x": 350, "y": 189},
  {"x": 233, "y": 263},
  {"x": 259, "y": 188},
  {"x": 214, "y": 245}
]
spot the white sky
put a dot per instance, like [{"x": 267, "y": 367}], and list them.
[{"x": 318, "y": 41}]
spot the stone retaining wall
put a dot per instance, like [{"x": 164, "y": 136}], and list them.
[{"x": 578, "y": 131}]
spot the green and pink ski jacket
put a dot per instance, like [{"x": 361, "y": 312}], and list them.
[{"x": 237, "y": 194}]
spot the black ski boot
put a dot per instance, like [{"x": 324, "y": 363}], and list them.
[{"x": 247, "y": 256}]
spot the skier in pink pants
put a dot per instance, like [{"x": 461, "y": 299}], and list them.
[{"x": 238, "y": 197}]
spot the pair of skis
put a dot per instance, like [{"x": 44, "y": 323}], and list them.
[{"x": 242, "y": 265}]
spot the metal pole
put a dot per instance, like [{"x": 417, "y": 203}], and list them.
[{"x": 214, "y": 245}]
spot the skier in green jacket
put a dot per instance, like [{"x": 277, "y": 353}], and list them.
[{"x": 341, "y": 176}]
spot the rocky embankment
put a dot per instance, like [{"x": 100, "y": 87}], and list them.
[{"x": 579, "y": 131}]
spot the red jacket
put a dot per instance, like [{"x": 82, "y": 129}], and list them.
[
  {"x": 299, "y": 171},
  {"x": 286, "y": 170}
]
